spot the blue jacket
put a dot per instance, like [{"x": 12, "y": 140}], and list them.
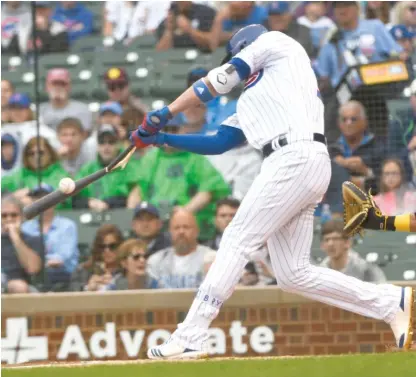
[{"x": 72, "y": 18}]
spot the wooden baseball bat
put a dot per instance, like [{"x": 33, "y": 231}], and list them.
[{"x": 58, "y": 196}]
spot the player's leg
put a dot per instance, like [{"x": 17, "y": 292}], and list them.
[
  {"x": 289, "y": 250},
  {"x": 287, "y": 183}
]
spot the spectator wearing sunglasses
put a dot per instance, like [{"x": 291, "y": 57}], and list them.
[
  {"x": 60, "y": 105},
  {"x": 118, "y": 89},
  {"x": 132, "y": 257},
  {"x": 36, "y": 154},
  {"x": 20, "y": 252},
  {"x": 112, "y": 190},
  {"x": 100, "y": 268},
  {"x": 61, "y": 241},
  {"x": 357, "y": 149}
]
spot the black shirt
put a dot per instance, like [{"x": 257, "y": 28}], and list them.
[
  {"x": 10, "y": 264},
  {"x": 201, "y": 17}
]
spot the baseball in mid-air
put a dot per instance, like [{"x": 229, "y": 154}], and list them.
[{"x": 66, "y": 185}]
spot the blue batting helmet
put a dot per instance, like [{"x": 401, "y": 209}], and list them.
[{"x": 242, "y": 38}]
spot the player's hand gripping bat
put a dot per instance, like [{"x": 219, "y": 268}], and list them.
[{"x": 58, "y": 196}]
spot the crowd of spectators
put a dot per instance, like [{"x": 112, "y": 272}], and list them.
[{"x": 182, "y": 202}]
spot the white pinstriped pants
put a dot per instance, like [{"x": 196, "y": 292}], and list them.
[{"x": 278, "y": 209}]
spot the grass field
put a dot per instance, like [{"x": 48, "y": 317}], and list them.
[{"x": 368, "y": 365}]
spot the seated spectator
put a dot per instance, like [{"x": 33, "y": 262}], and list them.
[
  {"x": 404, "y": 38},
  {"x": 61, "y": 240},
  {"x": 225, "y": 212},
  {"x": 169, "y": 177},
  {"x": 27, "y": 178},
  {"x": 126, "y": 20},
  {"x": 11, "y": 156},
  {"x": 342, "y": 258},
  {"x": 74, "y": 153},
  {"x": 112, "y": 190},
  {"x": 7, "y": 90},
  {"x": 207, "y": 117},
  {"x": 179, "y": 266},
  {"x": 357, "y": 149},
  {"x": 21, "y": 253},
  {"x": 232, "y": 17},
  {"x": 118, "y": 90},
  {"x": 22, "y": 126},
  {"x": 60, "y": 106},
  {"x": 250, "y": 276},
  {"x": 317, "y": 22},
  {"x": 401, "y": 139},
  {"x": 281, "y": 19},
  {"x": 187, "y": 24},
  {"x": 378, "y": 10},
  {"x": 132, "y": 257},
  {"x": 77, "y": 19},
  {"x": 147, "y": 227},
  {"x": 354, "y": 42},
  {"x": 101, "y": 267},
  {"x": 51, "y": 35},
  {"x": 111, "y": 113},
  {"x": 395, "y": 197},
  {"x": 16, "y": 26},
  {"x": 404, "y": 14}
]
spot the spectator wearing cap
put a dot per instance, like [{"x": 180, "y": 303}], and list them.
[
  {"x": 207, "y": 117},
  {"x": 317, "y": 22},
  {"x": 60, "y": 106},
  {"x": 111, "y": 112},
  {"x": 187, "y": 24},
  {"x": 61, "y": 240},
  {"x": 182, "y": 264},
  {"x": 21, "y": 253},
  {"x": 77, "y": 19},
  {"x": 360, "y": 40},
  {"x": 234, "y": 16},
  {"x": 281, "y": 19},
  {"x": 51, "y": 36},
  {"x": 74, "y": 152},
  {"x": 404, "y": 37},
  {"x": 27, "y": 177},
  {"x": 357, "y": 149},
  {"x": 16, "y": 25},
  {"x": 7, "y": 90},
  {"x": 147, "y": 226},
  {"x": 118, "y": 90},
  {"x": 170, "y": 178},
  {"x": 11, "y": 158},
  {"x": 126, "y": 20},
  {"x": 112, "y": 190},
  {"x": 19, "y": 108}
]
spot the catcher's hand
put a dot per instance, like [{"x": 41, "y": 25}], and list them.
[{"x": 360, "y": 210}]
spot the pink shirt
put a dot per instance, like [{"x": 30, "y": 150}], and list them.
[{"x": 391, "y": 206}]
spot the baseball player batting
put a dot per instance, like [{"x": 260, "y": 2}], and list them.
[{"x": 280, "y": 113}]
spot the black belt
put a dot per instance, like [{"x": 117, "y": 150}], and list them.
[{"x": 268, "y": 148}]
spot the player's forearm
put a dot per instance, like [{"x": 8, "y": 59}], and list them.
[
  {"x": 399, "y": 223},
  {"x": 198, "y": 202}
]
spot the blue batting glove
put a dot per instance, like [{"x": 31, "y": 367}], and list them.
[
  {"x": 141, "y": 141},
  {"x": 155, "y": 120}
]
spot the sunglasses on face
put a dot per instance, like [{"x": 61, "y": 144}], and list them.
[
  {"x": 113, "y": 87},
  {"x": 352, "y": 119},
  {"x": 35, "y": 153},
  {"x": 136, "y": 257},
  {"x": 12, "y": 215},
  {"x": 109, "y": 246}
]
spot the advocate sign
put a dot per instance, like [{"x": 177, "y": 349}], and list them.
[{"x": 19, "y": 347}]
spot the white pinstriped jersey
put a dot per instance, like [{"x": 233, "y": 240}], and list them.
[{"x": 281, "y": 95}]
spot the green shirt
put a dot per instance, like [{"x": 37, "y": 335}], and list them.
[
  {"x": 170, "y": 179},
  {"x": 29, "y": 178},
  {"x": 117, "y": 183}
]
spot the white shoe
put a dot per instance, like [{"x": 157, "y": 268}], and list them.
[
  {"x": 402, "y": 324},
  {"x": 172, "y": 350}
]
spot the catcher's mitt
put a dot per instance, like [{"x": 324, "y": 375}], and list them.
[{"x": 360, "y": 210}]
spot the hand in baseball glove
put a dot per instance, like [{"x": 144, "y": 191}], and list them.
[{"x": 360, "y": 211}]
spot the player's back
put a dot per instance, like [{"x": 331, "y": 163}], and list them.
[{"x": 281, "y": 95}]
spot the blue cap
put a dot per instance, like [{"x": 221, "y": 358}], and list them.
[
  {"x": 42, "y": 189},
  {"x": 177, "y": 121},
  {"x": 146, "y": 207},
  {"x": 401, "y": 32},
  {"x": 279, "y": 7},
  {"x": 20, "y": 99},
  {"x": 8, "y": 138},
  {"x": 113, "y": 107}
]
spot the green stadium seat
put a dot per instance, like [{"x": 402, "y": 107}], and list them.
[
  {"x": 400, "y": 271},
  {"x": 155, "y": 103},
  {"x": 143, "y": 41}
]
